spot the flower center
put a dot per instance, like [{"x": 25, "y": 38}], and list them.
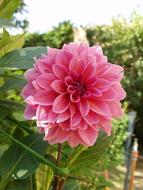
[
  {"x": 77, "y": 88},
  {"x": 80, "y": 88}
]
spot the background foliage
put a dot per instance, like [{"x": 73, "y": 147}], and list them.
[{"x": 63, "y": 33}]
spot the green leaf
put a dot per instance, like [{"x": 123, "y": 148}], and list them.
[
  {"x": 19, "y": 185},
  {"x": 18, "y": 163},
  {"x": 44, "y": 176},
  {"x": 22, "y": 58},
  {"x": 9, "y": 43},
  {"x": 13, "y": 83},
  {"x": 90, "y": 156},
  {"x": 36, "y": 155},
  {"x": 4, "y": 111},
  {"x": 3, "y": 148},
  {"x": 11, "y": 105},
  {"x": 4, "y": 22},
  {"x": 8, "y": 7},
  {"x": 24, "y": 125},
  {"x": 72, "y": 185},
  {"x": 8, "y": 106}
]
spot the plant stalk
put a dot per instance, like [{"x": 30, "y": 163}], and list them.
[
  {"x": 38, "y": 156},
  {"x": 57, "y": 177}
]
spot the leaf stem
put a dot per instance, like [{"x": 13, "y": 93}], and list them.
[
  {"x": 56, "y": 180},
  {"x": 18, "y": 124},
  {"x": 38, "y": 156},
  {"x": 73, "y": 157},
  {"x": 83, "y": 179}
]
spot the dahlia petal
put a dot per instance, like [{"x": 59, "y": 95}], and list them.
[
  {"x": 45, "y": 97},
  {"x": 52, "y": 116},
  {"x": 82, "y": 125},
  {"x": 102, "y": 69},
  {"x": 28, "y": 90},
  {"x": 73, "y": 139},
  {"x": 89, "y": 71},
  {"x": 92, "y": 118},
  {"x": 30, "y": 112},
  {"x": 95, "y": 91},
  {"x": 106, "y": 126},
  {"x": 53, "y": 52},
  {"x": 74, "y": 75},
  {"x": 91, "y": 81},
  {"x": 31, "y": 74},
  {"x": 89, "y": 136},
  {"x": 75, "y": 120},
  {"x": 62, "y": 59},
  {"x": 115, "y": 93},
  {"x": 42, "y": 113},
  {"x": 99, "y": 107},
  {"x": 61, "y": 103},
  {"x": 115, "y": 109},
  {"x": 63, "y": 116},
  {"x": 76, "y": 64},
  {"x": 102, "y": 84},
  {"x": 30, "y": 100},
  {"x": 71, "y": 47},
  {"x": 81, "y": 63},
  {"x": 46, "y": 130},
  {"x": 58, "y": 86},
  {"x": 59, "y": 70},
  {"x": 83, "y": 106},
  {"x": 68, "y": 55},
  {"x": 44, "y": 65},
  {"x": 68, "y": 80},
  {"x": 72, "y": 109},
  {"x": 83, "y": 47},
  {"x": 74, "y": 98},
  {"x": 115, "y": 73},
  {"x": 62, "y": 136},
  {"x": 96, "y": 50},
  {"x": 36, "y": 85},
  {"x": 51, "y": 134},
  {"x": 65, "y": 125},
  {"x": 45, "y": 80},
  {"x": 56, "y": 135}
]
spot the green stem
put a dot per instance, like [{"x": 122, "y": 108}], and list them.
[
  {"x": 56, "y": 180},
  {"x": 26, "y": 129},
  {"x": 71, "y": 160},
  {"x": 48, "y": 178},
  {"x": 38, "y": 156},
  {"x": 3, "y": 184},
  {"x": 62, "y": 183},
  {"x": 75, "y": 155},
  {"x": 83, "y": 179}
]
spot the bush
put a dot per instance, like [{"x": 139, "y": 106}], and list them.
[{"x": 63, "y": 33}]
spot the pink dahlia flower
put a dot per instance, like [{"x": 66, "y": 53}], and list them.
[{"x": 73, "y": 93}]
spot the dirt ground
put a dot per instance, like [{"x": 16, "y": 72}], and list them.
[{"x": 117, "y": 177}]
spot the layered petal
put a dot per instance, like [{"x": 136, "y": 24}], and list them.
[
  {"x": 30, "y": 111},
  {"x": 88, "y": 136},
  {"x": 45, "y": 97},
  {"x": 61, "y": 103}
]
